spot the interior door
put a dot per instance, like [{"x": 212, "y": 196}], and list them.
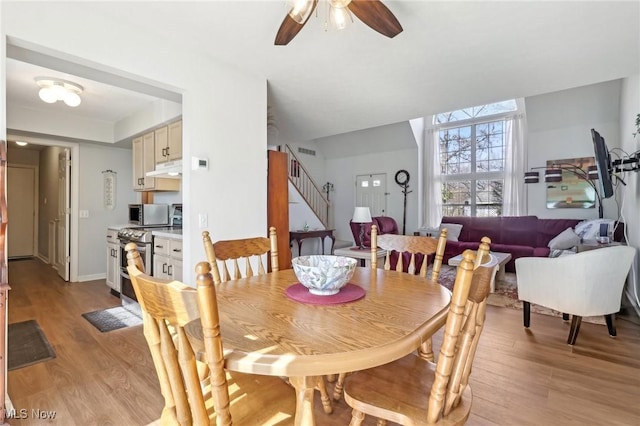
[
  {"x": 64, "y": 214},
  {"x": 371, "y": 191},
  {"x": 21, "y": 205}
]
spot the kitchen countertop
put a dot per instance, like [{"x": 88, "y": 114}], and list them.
[
  {"x": 168, "y": 233},
  {"x": 118, "y": 227}
]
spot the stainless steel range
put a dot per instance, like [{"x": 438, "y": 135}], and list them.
[{"x": 143, "y": 239}]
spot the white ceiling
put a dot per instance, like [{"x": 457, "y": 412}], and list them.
[{"x": 450, "y": 55}]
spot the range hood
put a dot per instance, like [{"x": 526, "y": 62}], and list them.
[{"x": 170, "y": 170}]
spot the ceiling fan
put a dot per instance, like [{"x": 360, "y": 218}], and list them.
[{"x": 372, "y": 12}]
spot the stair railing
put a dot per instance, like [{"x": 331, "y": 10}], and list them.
[{"x": 307, "y": 188}]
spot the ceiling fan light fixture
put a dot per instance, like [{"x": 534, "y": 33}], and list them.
[
  {"x": 340, "y": 17},
  {"x": 300, "y": 10},
  {"x": 341, "y": 4},
  {"x": 53, "y": 90}
]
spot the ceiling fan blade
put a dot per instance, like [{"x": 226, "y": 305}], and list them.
[
  {"x": 377, "y": 16},
  {"x": 290, "y": 28}
]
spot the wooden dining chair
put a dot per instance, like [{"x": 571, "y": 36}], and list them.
[
  {"x": 417, "y": 249},
  {"x": 244, "y": 251},
  {"x": 230, "y": 254},
  {"x": 412, "y": 246},
  {"x": 167, "y": 306},
  {"x": 415, "y": 391}
]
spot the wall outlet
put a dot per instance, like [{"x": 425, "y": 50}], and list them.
[
  {"x": 84, "y": 213},
  {"x": 202, "y": 220}
]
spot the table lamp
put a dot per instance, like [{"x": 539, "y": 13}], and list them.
[{"x": 361, "y": 215}]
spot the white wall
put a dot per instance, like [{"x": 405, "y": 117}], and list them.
[
  {"x": 92, "y": 231},
  {"x": 559, "y": 127},
  {"x": 344, "y": 172},
  {"x": 223, "y": 108},
  {"x": 629, "y": 109}
]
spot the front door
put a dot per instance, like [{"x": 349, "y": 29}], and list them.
[
  {"x": 21, "y": 205},
  {"x": 371, "y": 191}
]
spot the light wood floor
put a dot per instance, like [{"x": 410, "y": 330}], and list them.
[{"x": 520, "y": 377}]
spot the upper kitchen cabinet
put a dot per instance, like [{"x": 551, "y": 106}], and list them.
[
  {"x": 169, "y": 142},
  {"x": 144, "y": 161}
]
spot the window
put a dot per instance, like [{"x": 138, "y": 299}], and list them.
[{"x": 472, "y": 159}]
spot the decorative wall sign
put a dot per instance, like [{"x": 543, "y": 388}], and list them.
[
  {"x": 109, "y": 180},
  {"x": 574, "y": 191}
]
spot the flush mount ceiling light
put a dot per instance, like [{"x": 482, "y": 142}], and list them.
[
  {"x": 20, "y": 143},
  {"x": 55, "y": 89},
  {"x": 372, "y": 12}
]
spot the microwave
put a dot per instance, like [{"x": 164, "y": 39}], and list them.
[{"x": 149, "y": 214}]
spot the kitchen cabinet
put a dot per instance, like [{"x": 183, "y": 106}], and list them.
[
  {"x": 168, "y": 141},
  {"x": 167, "y": 258},
  {"x": 143, "y": 162},
  {"x": 113, "y": 260}
]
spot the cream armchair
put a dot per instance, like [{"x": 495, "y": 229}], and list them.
[{"x": 583, "y": 284}]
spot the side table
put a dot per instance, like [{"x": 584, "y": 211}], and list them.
[
  {"x": 587, "y": 245},
  {"x": 300, "y": 236},
  {"x": 363, "y": 255}
]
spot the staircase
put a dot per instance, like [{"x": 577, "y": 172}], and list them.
[{"x": 307, "y": 188}]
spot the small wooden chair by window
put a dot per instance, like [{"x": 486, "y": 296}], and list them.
[
  {"x": 244, "y": 251},
  {"x": 188, "y": 399},
  {"x": 415, "y": 249},
  {"x": 417, "y": 391}
]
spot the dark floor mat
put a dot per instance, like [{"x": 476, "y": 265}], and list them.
[
  {"x": 27, "y": 345},
  {"x": 112, "y": 319}
]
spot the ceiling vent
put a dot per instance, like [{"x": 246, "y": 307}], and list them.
[{"x": 306, "y": 151}]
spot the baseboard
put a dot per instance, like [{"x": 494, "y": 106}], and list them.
[{"x": 83, "y": 278}]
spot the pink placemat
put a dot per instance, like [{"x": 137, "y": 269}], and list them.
[{"x": 348, "y": 293}]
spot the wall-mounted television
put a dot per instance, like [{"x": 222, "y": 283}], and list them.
[{"x": 603, "y": 161}]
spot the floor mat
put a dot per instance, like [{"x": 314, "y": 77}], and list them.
[
  {"x": 27, "y": 345},
  {"x": 112, "y": 319}
]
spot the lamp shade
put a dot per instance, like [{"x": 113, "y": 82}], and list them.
[
  {"x": 553, "y": 175},
  {"x": 361, "y": 215},
  {"x": 531, "y": 177}
]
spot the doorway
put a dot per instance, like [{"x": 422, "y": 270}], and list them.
[
  {"x": 52, "y": 238},
  {"x": 371, "y": 191}
]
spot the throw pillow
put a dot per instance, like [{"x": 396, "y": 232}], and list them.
[
  {"x": 564, "y": 240},
  {"x": 453, "y": 230},
  {"x": 589, "y": 229}
]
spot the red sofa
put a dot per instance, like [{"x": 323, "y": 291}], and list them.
[{"x": 522, "y": 236}]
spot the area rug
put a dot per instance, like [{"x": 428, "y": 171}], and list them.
[
  {"x": 27, "y": 345},
  {"x": 112, "y": 319},
  {"x": 506, "y": 294}
]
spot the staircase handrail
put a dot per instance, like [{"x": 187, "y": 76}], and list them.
[{"x": 304, "y": 183}]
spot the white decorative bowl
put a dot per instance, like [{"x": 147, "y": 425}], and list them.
[{"x": 324, "y": 275}]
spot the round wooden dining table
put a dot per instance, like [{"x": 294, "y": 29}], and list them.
[{"x": 266, "y": 332}]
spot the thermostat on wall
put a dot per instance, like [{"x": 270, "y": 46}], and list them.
[{"x": 199, "y": 163}]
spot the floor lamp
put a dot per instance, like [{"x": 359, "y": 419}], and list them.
[{"x": 361, "y": 215}]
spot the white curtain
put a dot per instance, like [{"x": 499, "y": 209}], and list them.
[
  {"x": 514, "y": 198},
  {"x": 433, "y": 179}
]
